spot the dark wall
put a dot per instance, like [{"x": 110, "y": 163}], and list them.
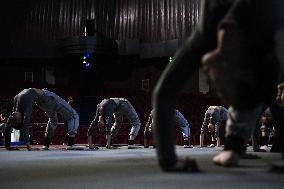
[
  {"x": 33, "y": 27},
  {"x": 30, "y": 31},
  {"x": 13, "y": 77}
]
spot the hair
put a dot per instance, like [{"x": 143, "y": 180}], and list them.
[{"x": 70, "y": 98}]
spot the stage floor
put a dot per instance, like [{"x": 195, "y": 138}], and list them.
[{"x": 124, "y": 168}]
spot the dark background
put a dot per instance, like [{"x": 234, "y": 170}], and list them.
[{"x": 130, "y": 42}]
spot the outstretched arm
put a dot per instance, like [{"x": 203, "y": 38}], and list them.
[{"x": 186, "y": 62}]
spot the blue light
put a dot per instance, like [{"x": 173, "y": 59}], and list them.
[
  {"x": 88, "y": 65},
  {"x": 88, "y": 55}
]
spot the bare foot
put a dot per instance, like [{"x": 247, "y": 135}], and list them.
[{"x": 227, "y": 158}]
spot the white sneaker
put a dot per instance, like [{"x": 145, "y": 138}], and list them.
[
  {"x": 45, "y": 148},
  {"x": 264, "y": 148},
  {"x": 70, "y": 148},
  {"x": 187, "y": 146},
  {"x": 111, "y": 147},
  {"x": 211, "y": 145},
  {"x": 131, "y": 146}
]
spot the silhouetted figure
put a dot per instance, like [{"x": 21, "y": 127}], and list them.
[
  {"x": 48, "y": 102},
  {"x": 115, "y": 108},
  {"x": 242, "y": 38}
]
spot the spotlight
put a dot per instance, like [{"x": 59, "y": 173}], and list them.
[
  {"x": 171, "y": 60},
  {"x": 88, "y": 65}
]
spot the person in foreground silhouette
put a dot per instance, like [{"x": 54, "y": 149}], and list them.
[{"x": 236, "y": 43}]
